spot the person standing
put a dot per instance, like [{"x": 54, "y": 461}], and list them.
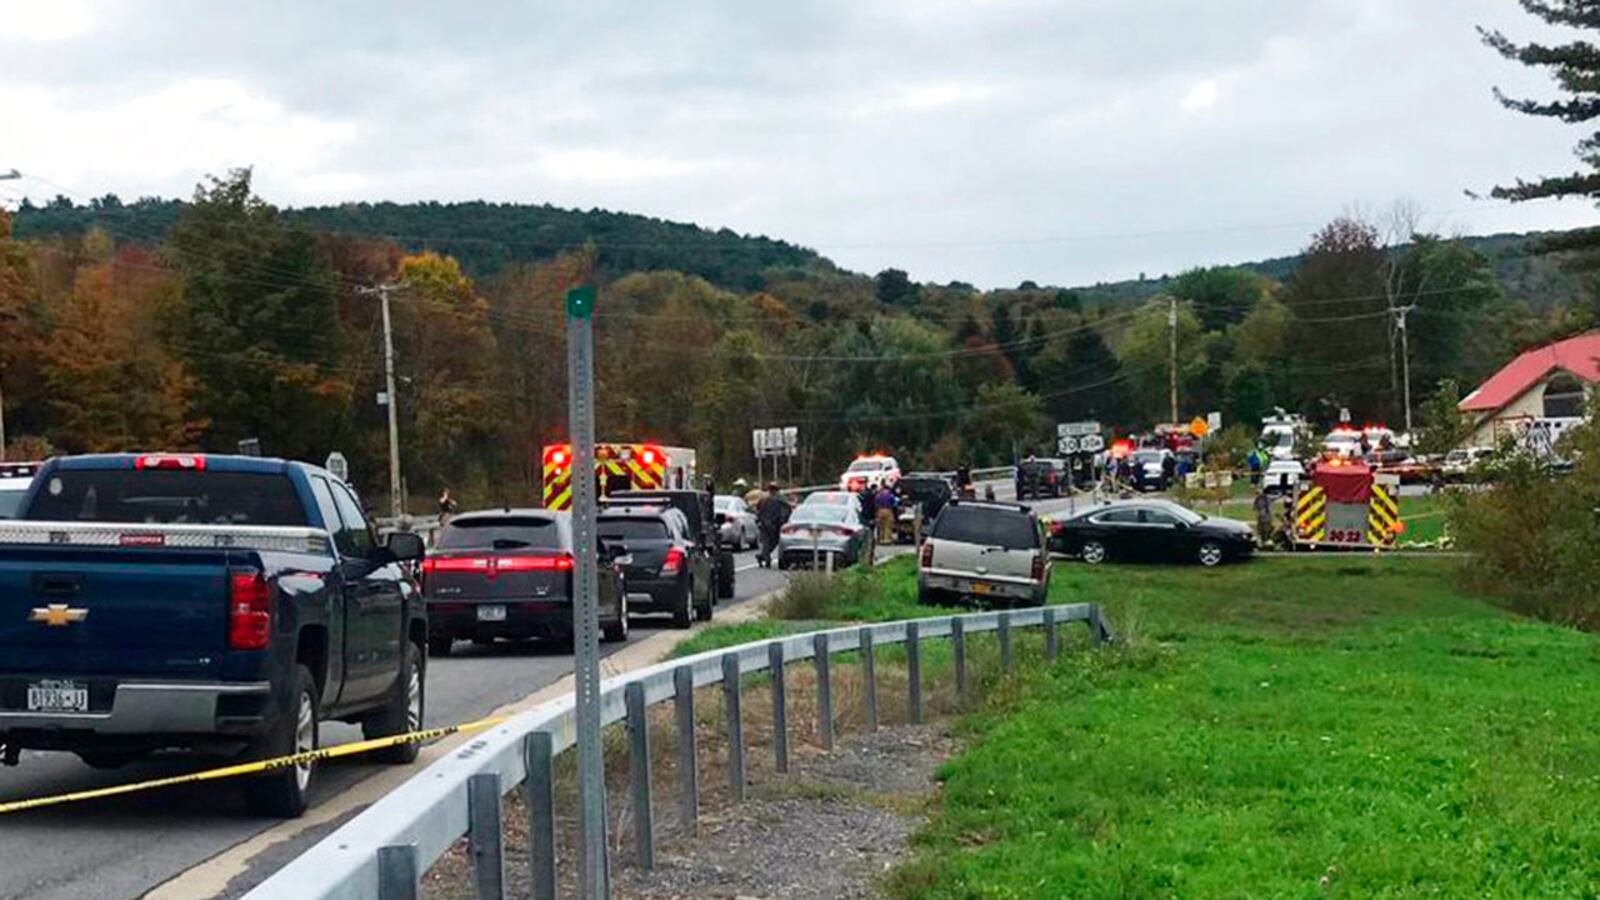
[
  {"x": 886, "y": 503},
  {"x": 447, "y": 506},
  {"x": 771, "y": 513},
  {"x": 1263, "y": 507}
]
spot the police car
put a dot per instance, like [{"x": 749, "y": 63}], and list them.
[{"x": 15, "y": 478}]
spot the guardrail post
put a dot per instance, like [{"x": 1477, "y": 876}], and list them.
[
  {"x": 688, "y": 776},
  {"x": 488, "y": 856},
  {"x": 819, "y": 647},
  {"x": 540, "y": 795},
  {"x": 958, "y": 645},
  {"x": 398, "y": 877},
  {"x": 1005, "y": 641},
  {"x": 1097, "y": 625},
  {"x": 869, "y": 673},
  {"x": 1051, "y": 643},
  {"x": 730, "y": 702},
  {"x": 644, "y": 822},
  {"x": 914, "y": 670},
  {"x": 780, "y": 708}
]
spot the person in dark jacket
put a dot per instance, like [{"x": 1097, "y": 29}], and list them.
[
  {"x": 868, "y": 498},
  {"x": 771, "y": 513}
]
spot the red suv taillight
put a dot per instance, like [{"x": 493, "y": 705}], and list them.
[
  {"x": 674, "y": 563},
  {"x": 1038, "y": 567},
  {"x": 249, "y": 611},
  {"x": 927, "y": 556}
]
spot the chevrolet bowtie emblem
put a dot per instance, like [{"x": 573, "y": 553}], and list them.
[{"x": 58, "y": 615}]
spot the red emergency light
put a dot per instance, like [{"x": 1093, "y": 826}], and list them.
[
  {"x": 1121, "y": 448},
  {"x": 648, "y": 456},
  {"x": 170, "y": 461},
  {"x": 556, "y": 456}
]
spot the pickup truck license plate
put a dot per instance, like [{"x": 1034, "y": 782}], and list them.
[
  {"x": 58, "y": 696},
  {"x": 494, "y": 613},
  {"x": 979, "y": 587}
]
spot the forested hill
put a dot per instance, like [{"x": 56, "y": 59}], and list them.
[
  {"x": 1539, "y": 279},
  {"x": 484, "y": 237},
  {"x": 487, "y": 237}
]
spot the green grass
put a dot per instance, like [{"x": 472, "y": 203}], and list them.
[{"x": 1292, "y": 727}]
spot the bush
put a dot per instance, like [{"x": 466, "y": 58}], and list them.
[{"x": 1534, "y": 538}]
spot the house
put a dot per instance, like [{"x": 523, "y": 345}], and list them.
[{"x": 1549, "y": 382}]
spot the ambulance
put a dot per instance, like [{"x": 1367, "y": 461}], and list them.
[{"x": 619, "y": 467}]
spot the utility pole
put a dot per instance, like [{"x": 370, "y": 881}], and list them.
[
  {"x": 396, "y": 494},
  {"x": 8, "y": 176},
  {"x": 1405, "y": 362},
  {"x": 593, "y": 880},
  {"x": 1172, "y": 356}
]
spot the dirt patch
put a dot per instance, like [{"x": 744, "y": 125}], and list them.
[{"x": 830, "y": 828}]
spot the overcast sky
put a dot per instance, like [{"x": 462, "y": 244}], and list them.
[{"x": 991, "y": 142}]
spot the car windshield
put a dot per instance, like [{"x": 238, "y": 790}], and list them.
[
  {"x": 500, "y": 533},
  {"x": 987, "y": 526},
  {"x": 632, "y": 529},
  {"x": 1147, "y": 457},
  {"x": 10, "y": 502},
  {"x": 923, "y": 487},
  {"x": 868, "y": 465},
  {"x": 727, "y": 504},
  {"x": 820, "y": 515},
  {"x": 168, "y": 497}
]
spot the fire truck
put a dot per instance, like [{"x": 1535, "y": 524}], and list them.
[
  {"x": 619, "y": 467},
  {"x": 1346, "y": 505}
]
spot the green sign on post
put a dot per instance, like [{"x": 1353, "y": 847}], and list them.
[{"x": 580, "y": 302}]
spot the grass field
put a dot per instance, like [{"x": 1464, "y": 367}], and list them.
[{"x": 1292, "y": 727}]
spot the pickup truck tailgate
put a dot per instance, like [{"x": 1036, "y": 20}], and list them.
[{"x": 124, "y": 611}]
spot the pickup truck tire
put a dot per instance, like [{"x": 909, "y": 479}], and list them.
[
  {"x": 440, "y": 645},
  {"x": 683, "y": 607},
  {"x": 402, "y": 712},
  {"x": 725, "y": 575},
  {"x": 283, "y": 793}
]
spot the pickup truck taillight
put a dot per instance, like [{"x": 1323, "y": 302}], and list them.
[
  {"x": 249, "y": 610},
  {"x": 927, "y": 556},
  {"x": 674, "y": 563}
]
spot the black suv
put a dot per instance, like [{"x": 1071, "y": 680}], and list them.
[
  {"x": 661, "y": 560},
  {"x": 699, "y": 513},
  {"x": 508, "y": 574}
]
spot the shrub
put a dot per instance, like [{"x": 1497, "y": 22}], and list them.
[{"x": 1534, "y": 538}]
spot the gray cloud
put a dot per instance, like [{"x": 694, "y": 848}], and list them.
[{"x": 990, "y": 142}]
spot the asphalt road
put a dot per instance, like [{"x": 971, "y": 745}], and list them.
[{"x": 123, "y": 847}]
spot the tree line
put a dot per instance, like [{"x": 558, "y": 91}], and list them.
[{"x": 240, "y": 321}]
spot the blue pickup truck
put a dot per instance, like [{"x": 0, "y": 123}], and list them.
[{"x": 217, "y": 604}]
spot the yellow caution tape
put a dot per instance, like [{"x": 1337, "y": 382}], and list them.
[{"x": 253, "y": 768}]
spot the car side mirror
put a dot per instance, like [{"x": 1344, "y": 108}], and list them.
[{"x": 405, "y": 546}]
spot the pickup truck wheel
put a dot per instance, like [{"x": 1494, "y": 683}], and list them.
[
  {"x": 283, "y": 792},
  {"x": 683, "y": 607},
  {"x": 440, "y": 646},
  {"x": 402, "y": 712}
]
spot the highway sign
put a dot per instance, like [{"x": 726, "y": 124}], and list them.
[
  {"x": 1077, "y": 429},
  {"x": 1214, "y": 421},
  {"x": 1065, "y": 445},
  {"x": 758, "y": 442},
  {"x": 1091, "y": 443},
  {"x": 791, "y": 441}
]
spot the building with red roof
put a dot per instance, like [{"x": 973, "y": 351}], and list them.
[{"x": 1549, "y": 382}]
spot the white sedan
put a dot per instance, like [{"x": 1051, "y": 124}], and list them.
[{"x": 736, "y": 523}]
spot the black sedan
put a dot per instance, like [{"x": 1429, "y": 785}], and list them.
[{"x": 1151, "y": 531}]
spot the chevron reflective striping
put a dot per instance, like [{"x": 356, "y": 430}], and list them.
[{"x": 562, "y": 500}]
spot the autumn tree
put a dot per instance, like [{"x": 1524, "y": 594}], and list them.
[
  {"x": 258, "y": 326},
  {"x": 112, "y": 386}
]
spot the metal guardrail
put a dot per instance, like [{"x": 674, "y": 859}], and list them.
[{"x": 383, "y": 852}]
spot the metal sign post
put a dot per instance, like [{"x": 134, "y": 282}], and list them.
[{"x": 592, "y": 881}]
